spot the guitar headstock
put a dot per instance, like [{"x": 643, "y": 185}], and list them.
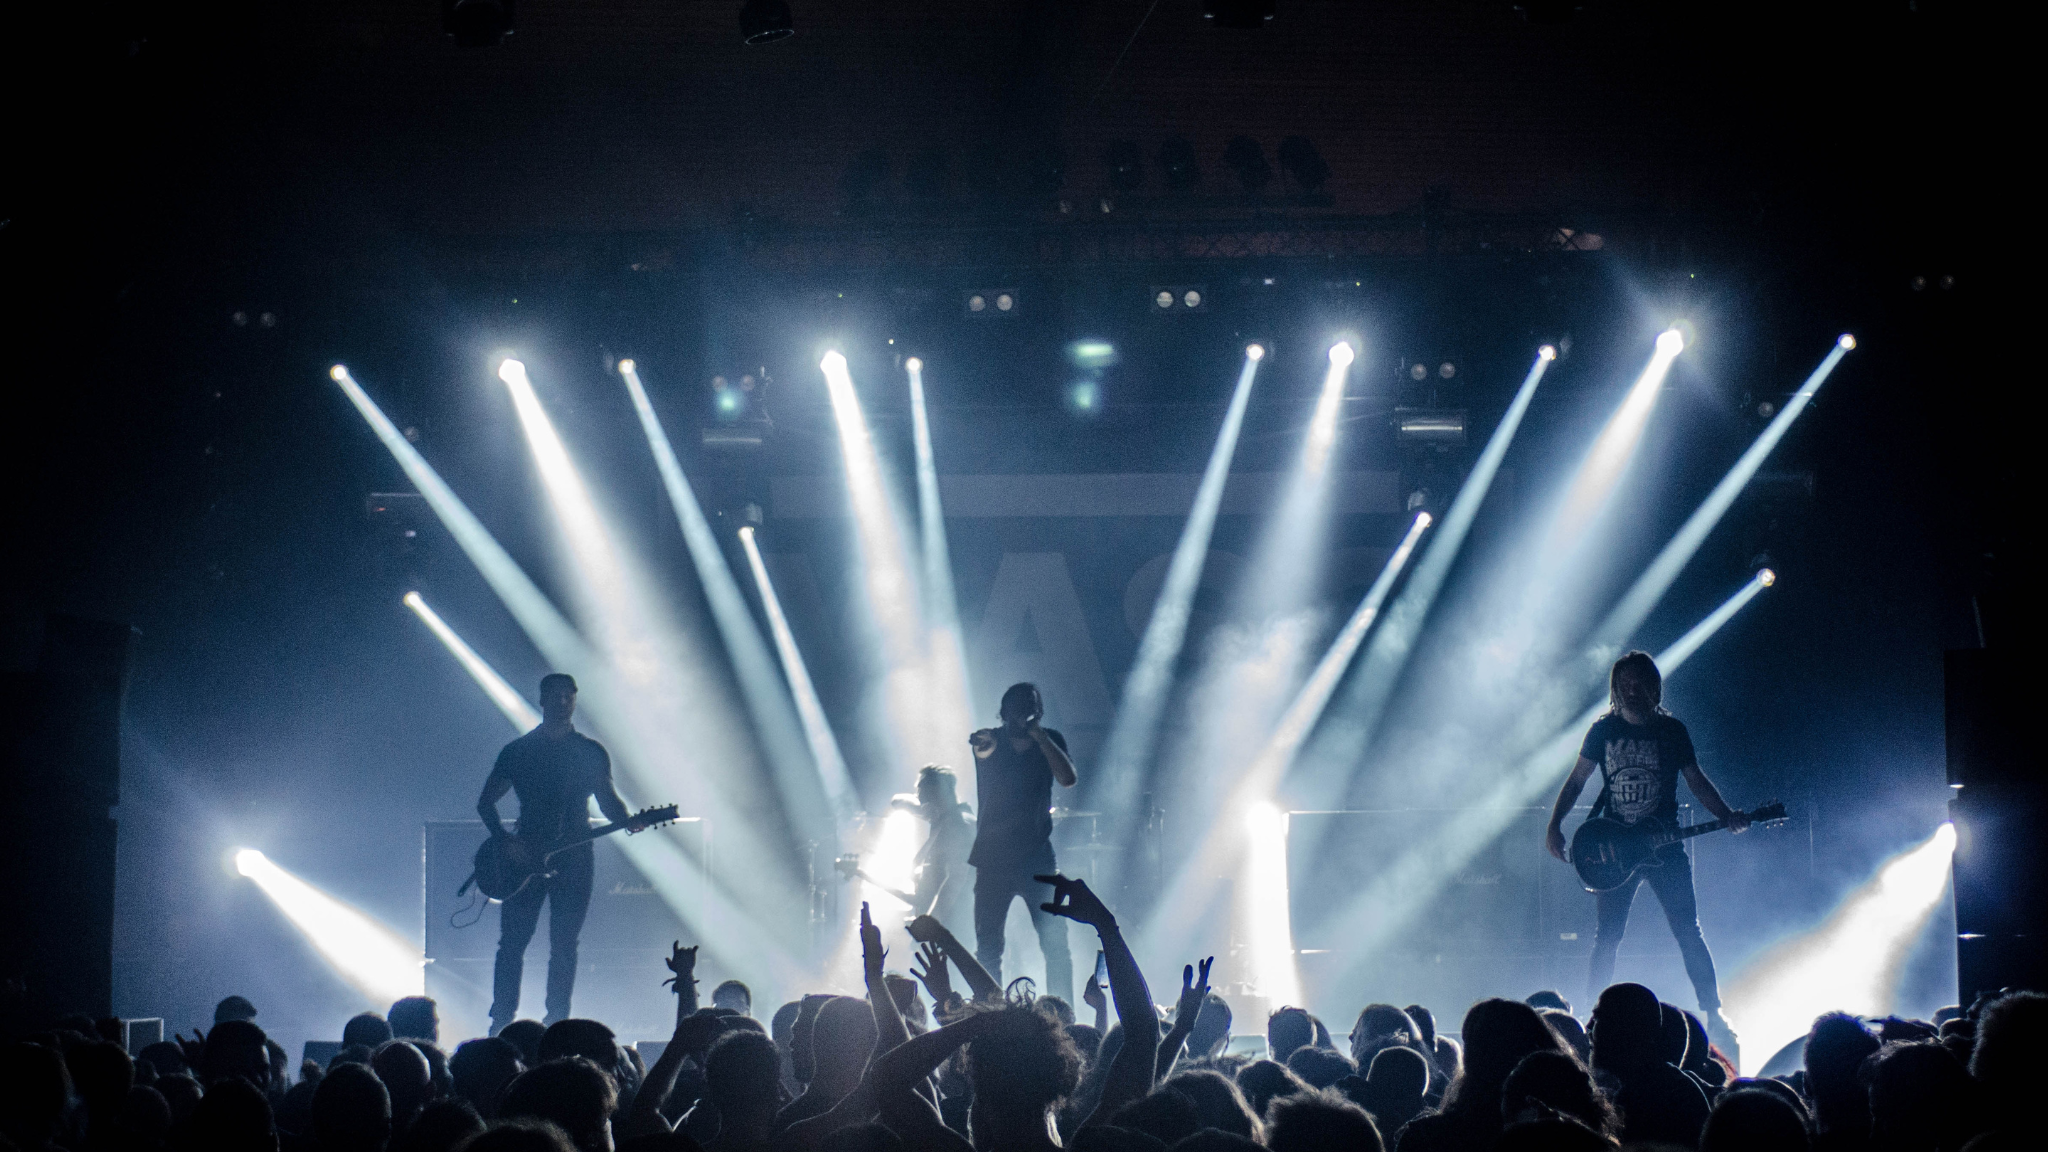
[
  {"x": 1771, "y": 813},
  {"x": 651, "y": 818}
]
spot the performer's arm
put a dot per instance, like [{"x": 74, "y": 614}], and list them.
[
  {"x": 1710, "y": 797},
  {"x": 609, "y": 801},
  {"x": 1553, "y": 836},
  {"x": 1056, "y": 757},
  {"x": 495, "y": 787}
]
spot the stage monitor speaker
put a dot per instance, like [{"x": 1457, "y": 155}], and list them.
[{"x": 2001, "y": 797}]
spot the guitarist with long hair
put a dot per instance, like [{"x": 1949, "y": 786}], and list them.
[
  {"x": 1641, "y": 751},
  {"x": 554, "y": 770}
]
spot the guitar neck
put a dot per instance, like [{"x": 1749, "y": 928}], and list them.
[
  {"x": 589, "y": 834},
  {"x": 1692, "y": 830}
]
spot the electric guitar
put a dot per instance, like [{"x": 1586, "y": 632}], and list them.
[
  {"x": 849, "y": 869},
  {"x": 1608, "y": 853},
  {"x": 505, "y": 865}
]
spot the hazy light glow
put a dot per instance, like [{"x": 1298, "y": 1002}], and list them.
[
  {"x": 509, "y": 701},
  {"x": 817, "y": 729},
  {"x": 888, "y": 579},
  {"x": 814, "y": 790},
  {"x": 1356, "y": 718},
  {"x": 1264, "y": 919},
  {"x": 682, "y": 885},
  {"x": 1615, "y": 446},
  {"x": 1127, "y": 750},
  {"x": 374, "y": 959},
  {"x": 1322, "y": 429},
  {"x": 1384, "y": 909},
  {"x": 1341, "y": 354},
  {"x": 1850, "y": 962},
  {"x": 1636, "y": 604},
  {"x": 1177, "y": 911},
  {"x": 952, "y": 692}
]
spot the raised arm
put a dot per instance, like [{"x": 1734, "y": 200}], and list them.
[
  {"x": 928, "y": 930},
  {"x": 1056, "y": 757},
  {"x": 1130, "y": 1074},
  {"x": 889, "y": 1027},
  {"x": 1194, "y": 993},
  {"x": 1568, "y": 795},
  {"x": 646, "y": 1117},
  {"x": 897, "y": 1073}
]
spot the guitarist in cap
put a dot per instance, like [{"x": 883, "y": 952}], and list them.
[
  {"x": 554, "y": 770},
  {"x": 1641, "y": 751}
]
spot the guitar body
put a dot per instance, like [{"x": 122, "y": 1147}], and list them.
[
  {"x": 505, "y": 865},
  {"x": 1607, "y": 852}
]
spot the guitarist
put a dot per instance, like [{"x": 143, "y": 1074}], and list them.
[
  {"x": 1641, "y": 751},
  {"x": 554, "y": 770}
]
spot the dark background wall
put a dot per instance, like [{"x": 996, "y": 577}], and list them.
[{"x": 629, "y": 179}]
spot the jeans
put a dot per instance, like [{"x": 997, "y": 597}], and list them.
[
  {"x": 568, "y": 891},
  {"x": 1672, "y": 882},
  {"x": 993, "y": 891}
]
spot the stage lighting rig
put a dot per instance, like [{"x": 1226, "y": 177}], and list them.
[
  {"x": 1433, "y": 427},
  {"x": 1299, "y": 155},
  {"x": 1244, "y": 157},
  {"x": 1238, "y": 13},
  {"x": 1180, "y": 298},
  {"x": 766, "y": 21},
  {"x": 477, "y": 23},
  {"x": 987, "y": 302}
]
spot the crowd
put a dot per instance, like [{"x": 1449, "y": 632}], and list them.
[{"x": 921, "y": 1065}]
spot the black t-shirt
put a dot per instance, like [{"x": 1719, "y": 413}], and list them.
[
  {"x": 1639, "y": 765},
  {"x": 554, "y": 778},
  {"x": 1015, "y": 790}
]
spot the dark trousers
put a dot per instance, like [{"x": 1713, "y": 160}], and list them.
[
  {"x": 568, "y": 894},
  {"x": 993, "y": 891},
  {"x": 1672, "y": 882}
]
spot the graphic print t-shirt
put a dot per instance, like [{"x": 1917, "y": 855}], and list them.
[{"x": 1640, "y": 765}]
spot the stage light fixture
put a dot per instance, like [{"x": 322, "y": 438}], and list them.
[
  {"x": 373, "y": 958},
  {"x": 477, "y": 23},
  {"x": 1547, "y": 352},
  {"x": 1418, "y": 371},
  {"x": 1847, "y": 342},
  {"x": 1180, "y": 298},
  {"x": 766, "y": 21},
  {"x": 1255, "y": 352},
  {"x": 991, "y": 302},
  {"x": 1430, "y": 426},
  {"x": 1091, "y": 353},
  {"x": 1244, "y": 157},
  {"x": 1298, "y": 154},
  {"x": 1671, "y": 341},
  {"x": 1446, "y": 370},
  {"x": 1239, "y": 14},
  {"x": 1341, "y": 354},
  {"x": 1767, "y": 577},
  {"x": 1163, "y": 298}
]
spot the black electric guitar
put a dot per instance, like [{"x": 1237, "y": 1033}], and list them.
[
  {"x": 1607, "y": 852},
  {"x": 507, "y": 864}
]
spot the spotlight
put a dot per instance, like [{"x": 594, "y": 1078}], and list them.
[
  {"x": 914, "y": 364},
  {"x": 1238, "y": 13},
  {"x": 1430, "y": 425},
  {"x": 477, "y": 23},
  {"x": 1182, "y": 297},
  {"x": 988, "y": 302},
  {"x": 337, "y": 373},
  {"x": 1303, "y": 162},
  {"x": 1418, "y": 371},
  {"x": 1255, "y": 351},
  {"x": 373, "y": 958},
  {"x": 766, "y": 21},
  {"x": 1092, "y": 353},
  {"x": 1766, "y": 577},
  {"x": 1340, "y": 353},
  {"x": 1244, "y": 157},
  {"x": 1163, "y": 298},
  {"x": 1547, "y": 352},
  {"x": 1671, "y": 342},
  {"x": 1847, "y": 341},
  {"x": 1446, "y": 370}
]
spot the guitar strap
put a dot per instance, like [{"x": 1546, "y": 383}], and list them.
[{"x": 1600, "y": 801}]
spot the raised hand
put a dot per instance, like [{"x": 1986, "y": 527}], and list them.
[
  {"x": 871, "y": 951},
  {"x": 683, "y": 962},
  {"x": 1194, "y": 992},
  {"x": 933, "y": 974},
  {"x": 927, "y": 930},
  {"x": 1072, "y": 899},
  {"x": 1092, "y": 994},
  {"x": 983, "y": 742}
]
